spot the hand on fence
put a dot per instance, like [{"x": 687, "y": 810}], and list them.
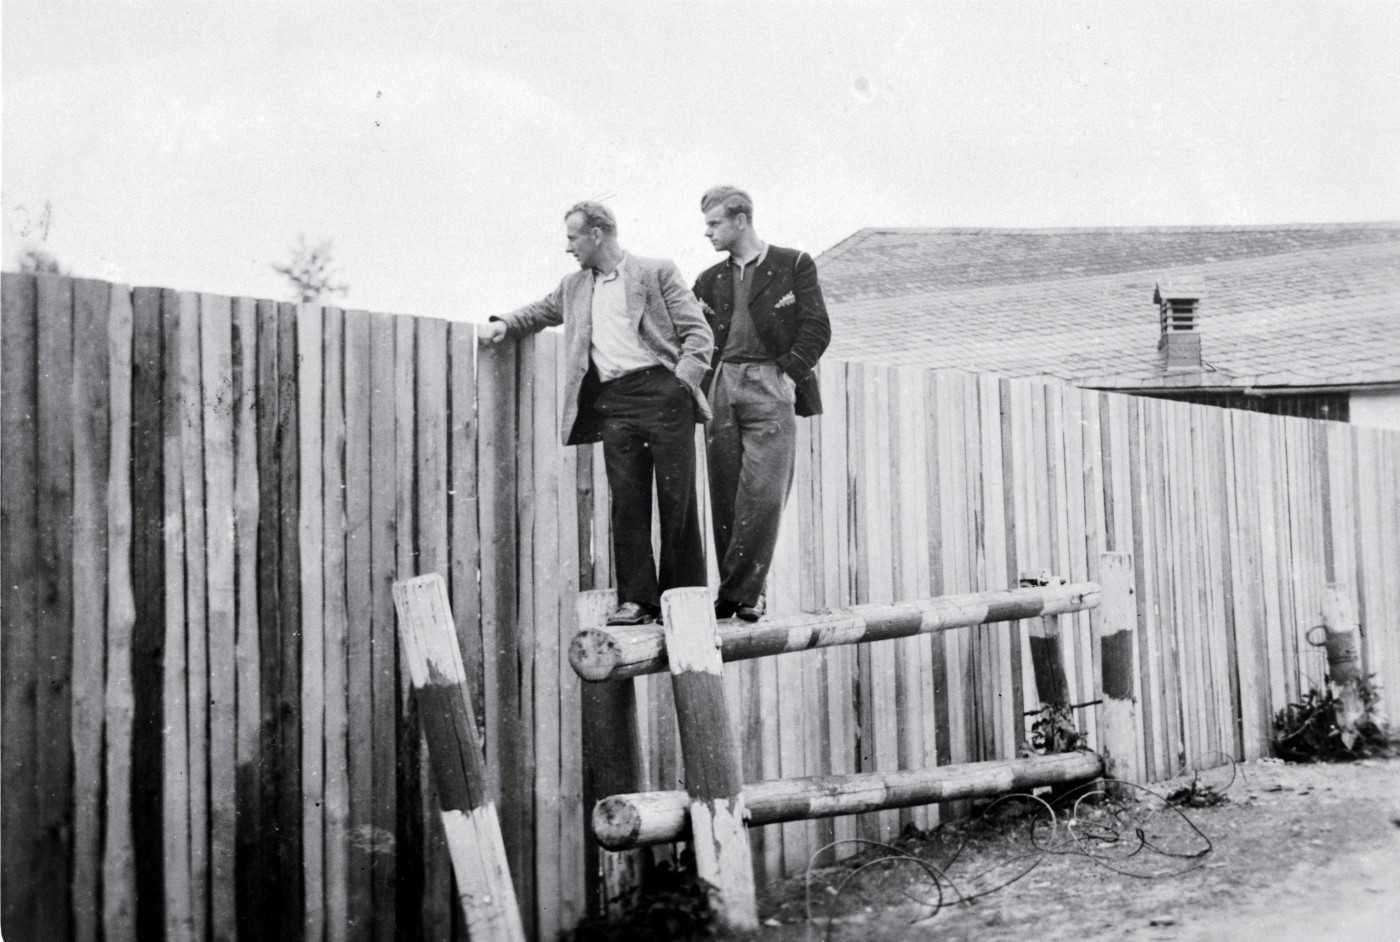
[{"x": 493, "y": 332}]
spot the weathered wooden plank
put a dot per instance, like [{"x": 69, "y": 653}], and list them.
[
  {"x": 247, "y": 643},
  {"x": 290, "y": 837},
  {"x": 218, "y": 405},
  {"x": 89, "y": 404},
  {"x": 465, "y": 542},
  {"x": 431, "y": 457},
  {"x": 359, "y": 641},
  {"x": 415, "y": 915},
  {"x": 1159, "y": 558},
  {"x": 573, "y": 818},
  {"x": 1149, "y": 660},
  {"x": 956, "y": 572},
  {"x": 713, "y": 779},
  {"x": 336, "y": 621},
  {"x": 1005, "y": 671},
  {"x": 838, "y": 716},
  {"x": 1075, "y": 631},
  {"x": 310, "y": 375},
  {"x": 1118, "y": 425},
  {"x": 148, "y": 632},
  {"x": 1118, "y": 685},
  {"x": 191, "y": 391},
  {"x": 177, "y": 312},
  {"x": 1095, "y": 536},
  {"x": 19, "y": 610},
  {"x": 469, "y": 817},
  {"x": 544, "y": 580},
  {"x": 384, "y": 707},
  {"x": 118, "y": 853},
  {"x": 907, "y": 515}
]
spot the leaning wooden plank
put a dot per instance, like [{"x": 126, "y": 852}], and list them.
[
  {"x": 175, "y": 817},
  {"x": 336, "y": 618},
  {"x": 118, "y": 857},
  {"x": 469, "y": 816},
  {"x": 384, "y": 706},
  {"x": 713, "y": 781},
  {"x": 216, "y": 371},
  {"x": 247, "y": 643},
  {"x": 360, "y": 625},
  {"x": 19, "y": 563},
  {"x": 609, "y": 653},
  {"x": 90, "y": 393},
  {"x": 638, "y": 820}
]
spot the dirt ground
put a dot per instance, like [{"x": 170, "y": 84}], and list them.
[{"x": 1294, "y": 852}]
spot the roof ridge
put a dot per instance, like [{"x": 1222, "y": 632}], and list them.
[{"x": 840, "y": 248}]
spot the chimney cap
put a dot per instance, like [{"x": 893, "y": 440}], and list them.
[{"x": 1180, "y": 288}]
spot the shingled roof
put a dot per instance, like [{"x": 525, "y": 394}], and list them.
[{"x": 1300, "y": 305}]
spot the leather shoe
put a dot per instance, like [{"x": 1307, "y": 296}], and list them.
[
  {"x": 631, "y": 613},
  {"x": 725, "y": 608},
  {"x": 755, "y": 611}
]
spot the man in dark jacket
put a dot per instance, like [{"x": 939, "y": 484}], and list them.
[{"x": 770, "y": 327}]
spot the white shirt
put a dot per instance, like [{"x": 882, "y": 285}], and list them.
[{"x": 617, "y": 349}]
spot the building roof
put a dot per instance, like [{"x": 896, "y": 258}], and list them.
[{"x": 1301, "y": 305}]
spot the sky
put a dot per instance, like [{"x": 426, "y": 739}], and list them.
[{"x": 189, "y": 145}]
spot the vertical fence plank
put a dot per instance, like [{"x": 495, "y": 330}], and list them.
[
  {"x": 90, "y": 395},
  {"x": 1005, "y": 671},
  {"x": 247, "y": 643},
  {"x": 263, "y": 918},
  {"x": 148, "y": 632},
  {"x": 217, "y": 405},
  {"x": 544, "y": 579},
  {"x": 518, "y": 749},
  {"x": 177, "y": 314},
  {"x": 384, "y": 705},
  {"x": 310, "y": 376},
  {"x": 573, "y": 813},
  {"x": 430, "y": 396},
  {"x": 118, "y": 855},
  {"x": 19, "y": 562},
  {"x": 359, "y": 653},
  {"x": 336, "y": 618},
  {"x": 465, "y": 543}
]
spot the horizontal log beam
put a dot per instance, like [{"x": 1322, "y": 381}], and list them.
[
  {"x": 616, "y": 652},
  {"x": 627, "y": 821}
]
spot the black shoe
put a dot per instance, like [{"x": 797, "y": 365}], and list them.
[
  {"x": 631, "y": 613},
  {"x": 755, "y": 611},
  {"x": 724, "y": 608}
]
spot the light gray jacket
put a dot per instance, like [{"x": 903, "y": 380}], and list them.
[{"x": 669, "y": 322}]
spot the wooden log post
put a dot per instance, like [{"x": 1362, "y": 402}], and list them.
[
  {"x": 1050, "y": 683},
  {"x": 713, "y": 779},
  {"x": 1114, "y": 633},
  {"x": 469, "y": 817},
  {"x": 610, "y": 653},
  {"x": 612, "y": 756},
  {"x": 1344, "y": 671},
  {"x": 637, "y": 820}
]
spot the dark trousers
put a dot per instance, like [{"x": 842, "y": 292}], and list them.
[
  {"x": 648, "y": 424},
  {"x": 751, "y": 445}
]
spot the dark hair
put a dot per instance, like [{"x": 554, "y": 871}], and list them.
[
  {"x": 733, "y": 199},
  {"x": 595, "y": 216}
]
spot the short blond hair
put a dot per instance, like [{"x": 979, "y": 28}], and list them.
[
  {"x": 733, "y": 199},
  {"x": 595, "y": 216}
]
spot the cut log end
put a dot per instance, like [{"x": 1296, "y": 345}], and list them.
[
  {"x": 617, "y": 822},
  {"x": 594, "y": 654}
]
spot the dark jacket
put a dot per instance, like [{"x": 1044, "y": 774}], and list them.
[{"x": 788, "y": 314}]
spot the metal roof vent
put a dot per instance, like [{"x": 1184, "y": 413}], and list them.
[{"x": 1178, "y": 302}]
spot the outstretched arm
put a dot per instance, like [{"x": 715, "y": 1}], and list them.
[{"x": 546, "y": 312}]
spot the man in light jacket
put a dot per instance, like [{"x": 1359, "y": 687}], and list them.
[{"x": 637, "y": 350}]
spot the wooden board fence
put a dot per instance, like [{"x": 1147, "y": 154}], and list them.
[{"x": 205, "y": 502}]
